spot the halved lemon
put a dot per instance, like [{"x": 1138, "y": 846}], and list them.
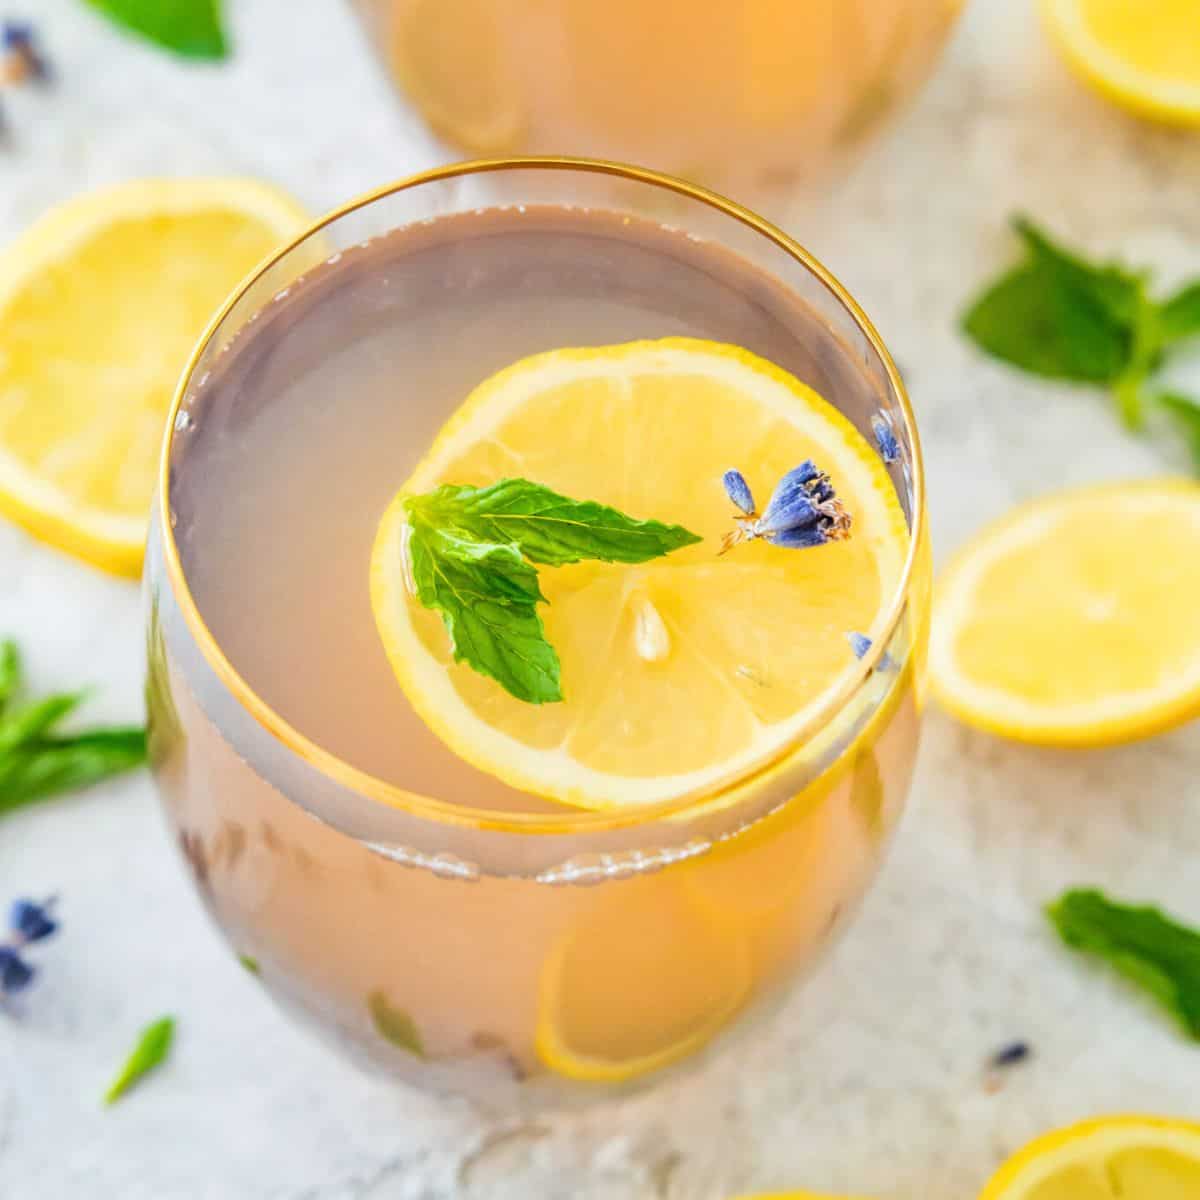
[
  {"x": 641, "y": 978},
  {"x": 1143, "y": 54},
  {"x": 1075, "y": 620},
  {"x": 687, "y": 671},
  {"x": 101, "y": 302},
  {"x": 1110, "y": 1158}
]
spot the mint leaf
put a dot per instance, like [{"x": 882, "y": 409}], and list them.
[
  {"x": 189, "y": 28},
  {"x": 549, "y": 528},
  {"x": 1179, "y": 317},
  {"x": 46, "y": 767},
  {"x": 10, "y": 672},
  {"x": 152, "y": 1048},
  {"x": 469, "y": 553},
  {"x": 1112, "y": 288},
  {"x": 1143, "y": 944},
  {"x": 26, "y": 724},
  {"x": 394, "y": 1025},
  {"x": 487, "y": 595},
  {"x": 1057, "y": 316},
  {"x": 1186, "y": 413}
]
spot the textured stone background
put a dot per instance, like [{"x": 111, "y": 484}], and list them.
[{"x": 871, "y": 1081}]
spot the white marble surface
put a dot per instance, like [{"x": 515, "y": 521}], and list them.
[{"x": 872, "y": 1080}]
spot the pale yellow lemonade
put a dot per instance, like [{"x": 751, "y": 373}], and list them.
[
  {"x": 767, "y": 89},
  {"x": 484, "y": 942}
]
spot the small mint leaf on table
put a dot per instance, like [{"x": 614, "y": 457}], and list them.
[
  {"x": 189, "y": 28},
  {"x": 151, "y": 1050},
  {"x": 470, "y": 554},
  {"x": 1143, "y": 944},
  {"x": 1185, "y": 412},
  {"x": 49, "y": 766},
  {"x": 1057, "y": 316},
  {"x": 10, "y": 672},
  {"x": 1179, "y": 317}
]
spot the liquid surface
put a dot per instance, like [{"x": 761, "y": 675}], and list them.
[{"x": 322, "y": 408}]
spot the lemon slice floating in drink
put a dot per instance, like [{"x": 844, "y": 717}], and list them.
[
  {"x": 100, "y": 304},
  {"x": 1074, "y": 620},
  {"x": 684, "y": 672},
  {"x": 1133, "y": 1158},
  {"x": 641, "y": 979}
]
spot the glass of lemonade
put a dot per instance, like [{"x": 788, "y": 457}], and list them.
[
  {"x": 528, "y": 901},
  {"x": 746, "y": 92}
]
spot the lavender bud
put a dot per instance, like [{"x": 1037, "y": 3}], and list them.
[
  {"x": 738, "y": 490},
  {"x": 885, "y": 439},
  {"x": 15, "y": 973},
  {"x": 31, "y": 921},
  {"x": 859, "y": 643},
  {"x": 798, "y": 539},
  {"x": 794, "y": 501}
]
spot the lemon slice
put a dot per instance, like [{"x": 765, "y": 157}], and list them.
[
  {"x": 101, "y": 302},
  {"x": 1130, "y": 1158},
  {"x": 686, "y": 671},
  {"x": 447, "y": 55},
  {"x": 1145, "y": 56},
  {"x": 641, "y": 978},
  {"x": 1073, "y": 621}
]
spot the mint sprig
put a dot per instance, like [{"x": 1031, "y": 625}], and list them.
[
  {"x": 470, "y": 555},
  {"x": 1144, "y": 945},
  {"x": 189, "y": 28},
  {"x": 1062, "y": 317},
  {"x": 36, "y": 761}
]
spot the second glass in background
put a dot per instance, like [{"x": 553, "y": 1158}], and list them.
[{"x": 745, "y": 94}]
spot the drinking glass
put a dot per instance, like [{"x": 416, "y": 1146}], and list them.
[
  {"x": 530, "y": 958},
  {"x": 738, "y": 93}
]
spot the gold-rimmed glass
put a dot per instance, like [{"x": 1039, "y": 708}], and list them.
[{"x": 426, "y": 933}]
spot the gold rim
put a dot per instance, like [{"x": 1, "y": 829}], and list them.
[{"x": 368, "y": 785}]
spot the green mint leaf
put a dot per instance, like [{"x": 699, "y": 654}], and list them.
[
  {"x": 470, "y": 551},
  {"x": 250, "y": 963},
  {"x": 394, "y": 1025},
  {"x": 1057, "y": 316},
  {"x": 34, "y": 720},
  {"x": 1186, "y": 414},
  {"x": 549, "y": 528},
  {"x": 1179, "y": 317},
  {"x": 189, "y": 28},
  {"x": 1141, "y": 943},
  {"x": 487, "y": 596},
  {"x": 152, "y": 1048},
  {"x": 46, "y": 767},
  {"x": 10, "y": 672},
  {"x": 1109, "y": 285}
]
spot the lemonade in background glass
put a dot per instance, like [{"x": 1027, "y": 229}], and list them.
[
  {"x": 431, "y": 911},
  {"x": 748, "y": 93}
]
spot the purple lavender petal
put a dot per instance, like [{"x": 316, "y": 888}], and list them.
[
  {"x": 885, "y": 439},
  {"x": 15, "y": 973},
  {"x": 738, "y": 490},
  {"x": 31, "y": 921},
  {"x": 859, "y": 643},
  {"x": 797, "y": 539},
  {"x": 792, "y": 502}
]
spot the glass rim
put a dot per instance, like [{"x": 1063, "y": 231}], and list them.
[{"x": 571, "y": 820}]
